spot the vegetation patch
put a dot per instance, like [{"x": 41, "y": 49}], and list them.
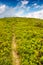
[{"x": 29, "y": 40}]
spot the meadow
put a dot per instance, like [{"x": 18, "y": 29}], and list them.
[{"x": 29, "y": 40}]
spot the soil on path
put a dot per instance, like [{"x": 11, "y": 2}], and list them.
[{"x": 15, "y": 56}]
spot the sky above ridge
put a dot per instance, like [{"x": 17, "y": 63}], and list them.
[{"x": 21, "y": 8}]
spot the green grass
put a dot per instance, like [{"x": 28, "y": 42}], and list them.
[{"x": 29, "y": 38}]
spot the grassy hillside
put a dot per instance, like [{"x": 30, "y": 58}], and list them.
[{"x": 29, "y": 39}]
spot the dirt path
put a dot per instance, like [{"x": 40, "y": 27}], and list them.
[{"x": 15, "y": 56}]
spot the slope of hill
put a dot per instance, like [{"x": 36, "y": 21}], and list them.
[{"x": 29, "y": 41}]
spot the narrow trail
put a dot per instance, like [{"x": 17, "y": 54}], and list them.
[{"x": 15, "y": 56}]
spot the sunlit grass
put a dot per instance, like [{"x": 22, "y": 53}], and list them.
[{"x": 29, "y": 39}]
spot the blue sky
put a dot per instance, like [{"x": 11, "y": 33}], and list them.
[{"x": 21, "y": 8}]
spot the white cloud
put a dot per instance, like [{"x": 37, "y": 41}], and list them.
[
  {"x": 36, "y": 14},
  {"x": 6, "y": 11},
  {"x": 19, "y": 13},
  {"x": 2, "y": 8},
  {"x": 24, "y": 2},
  {"x": 35, "y": 5},
  {"x": 11, "y": 12}
]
